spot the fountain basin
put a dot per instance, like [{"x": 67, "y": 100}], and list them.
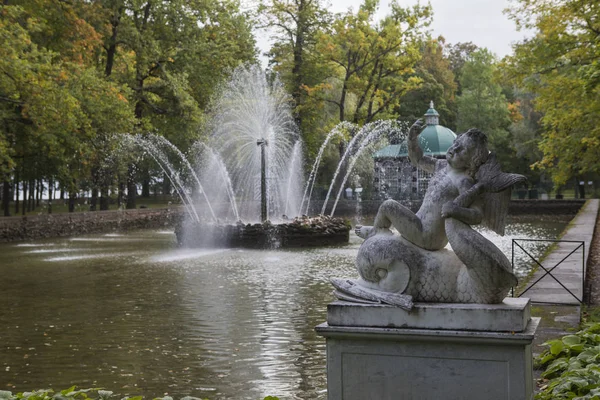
[{"x": 299, "y": 232}]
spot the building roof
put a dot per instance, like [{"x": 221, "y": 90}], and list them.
[
  {"x": 432, "y": 111},
  {"x": 435, "y": 140}
]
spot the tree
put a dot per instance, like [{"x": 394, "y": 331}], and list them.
[
  {"x": 74, "y": 74},
  {"x": 560, "y": 65},
  {"x": 526, "y": 131},
  {"x": 458, "y": 54},
  {"x": 54, "y": 103},
  {"x": 373, "y": 62},
  {"x": 482, "y": 104},
  {"x": 296, "y": 23},
  {"x": 438, "y": 85},
  {"x": 172, "y": 56}
]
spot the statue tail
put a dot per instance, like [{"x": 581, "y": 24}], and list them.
[{"x": 487, "y": 277}]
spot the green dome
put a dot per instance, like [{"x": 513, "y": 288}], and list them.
[{"x": 435, "y": 140}]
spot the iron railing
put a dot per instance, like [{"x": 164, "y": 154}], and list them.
[{"x": 548, "y": 271}]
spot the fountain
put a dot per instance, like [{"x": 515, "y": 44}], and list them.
[{"x": 251, "y": 169}]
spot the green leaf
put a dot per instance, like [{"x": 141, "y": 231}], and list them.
[
  {"x": 556, "y": 347},
  {"x": 571, "y": 340},
  {"x": 67, "y": 391},
  {"x": 557, "y": 366}
]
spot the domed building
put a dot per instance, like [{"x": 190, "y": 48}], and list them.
[{"x": 395, "y": 177}]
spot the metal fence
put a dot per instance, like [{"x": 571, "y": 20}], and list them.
[{"x": 548, "y": 271}]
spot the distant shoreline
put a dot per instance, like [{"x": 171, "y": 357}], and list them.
[{"x": 41, "y": 226}]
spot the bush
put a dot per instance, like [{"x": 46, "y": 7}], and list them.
[{"x": 572, "y": 365}]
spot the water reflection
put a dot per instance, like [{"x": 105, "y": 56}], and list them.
[{"x": 135, "y": 315}]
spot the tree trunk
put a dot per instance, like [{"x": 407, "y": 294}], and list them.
[
  {"x": 17, "y": 192},
  {"x": 50, "y": 194},
  {"x": 31, "y": 202},
  {"x": 25, "y": 200},
  {"x": 94, "y": 199},
  {"x": 6, "y": 198},
  {"x": 297, "y": 69},
  {"x": 112, "y": 47},
  {"x": 40, "y": 192},
  {"x": 166, "y": 185},
  {"x": 146, "y": 183},
  {"x": 104, "y": 199},
  {"x": 121, "y": 192},
  {"x": 342, "y": 103},
  {"x": 131, "y": 187},
  {"x": 72, "y": 197}
]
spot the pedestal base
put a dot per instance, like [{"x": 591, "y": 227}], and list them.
[{"x": 375, "y": 362}]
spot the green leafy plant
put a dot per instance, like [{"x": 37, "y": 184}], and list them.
[{"x": 572, "y": 365}]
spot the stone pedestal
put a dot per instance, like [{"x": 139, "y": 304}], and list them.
[{"x": 435, "y": 351}]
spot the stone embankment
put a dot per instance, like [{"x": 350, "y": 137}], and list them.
[
  {"x": 300, "y": 232},
  {"x": 73, "y": 224},
  {"x": 517, "y": 207},
  {"x": 545, "y": 207}
]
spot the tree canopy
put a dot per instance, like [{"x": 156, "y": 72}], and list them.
[
  {"x": 74, "y": 74},
  {"x": 77, "y": 76},
  {"x": 560, "y": 63}
]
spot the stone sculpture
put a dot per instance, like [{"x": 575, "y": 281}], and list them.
[{"x": 467, "y": 188}]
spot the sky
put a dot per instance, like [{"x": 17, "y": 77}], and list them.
[{"x": 479, "y": 21}]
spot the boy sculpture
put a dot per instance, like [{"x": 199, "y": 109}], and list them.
[{"x": 467, "y": 188}]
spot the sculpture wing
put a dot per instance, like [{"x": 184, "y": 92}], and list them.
[{"x": 496, "y": 193}]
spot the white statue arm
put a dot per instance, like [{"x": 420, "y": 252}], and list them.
[
  {"x": 415, "y": 153},
  {"x": 469, "y": 215},
  {"x": 468, "y": 207}
]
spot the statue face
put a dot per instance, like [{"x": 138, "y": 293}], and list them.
[{"x": 461, "y": 153}]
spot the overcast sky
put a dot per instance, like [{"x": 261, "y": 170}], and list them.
[{"x": 479, "y": 21}]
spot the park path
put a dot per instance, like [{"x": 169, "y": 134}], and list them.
[{"x": 567, "y": 262}]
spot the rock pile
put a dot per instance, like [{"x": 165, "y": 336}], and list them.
[{"x": 300, "y": 232}]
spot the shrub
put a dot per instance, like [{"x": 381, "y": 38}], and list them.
[{"x": 572, "y": 365}]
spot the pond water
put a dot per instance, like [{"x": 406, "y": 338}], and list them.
[{"x": 134, "y": 314}]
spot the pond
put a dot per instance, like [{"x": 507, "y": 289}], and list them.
[{"x": 134, "y": 314}]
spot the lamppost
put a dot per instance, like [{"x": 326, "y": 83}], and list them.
[{"x": 263, "y": 179}]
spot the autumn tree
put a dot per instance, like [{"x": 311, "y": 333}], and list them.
[
  {"x": 172, "y": 55},
  {"x": 53, "y": 101},
  {"x": 560, "y": 65},
  {"x": 296, "y": 24},
  {"x": 373, "y": 62}
]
